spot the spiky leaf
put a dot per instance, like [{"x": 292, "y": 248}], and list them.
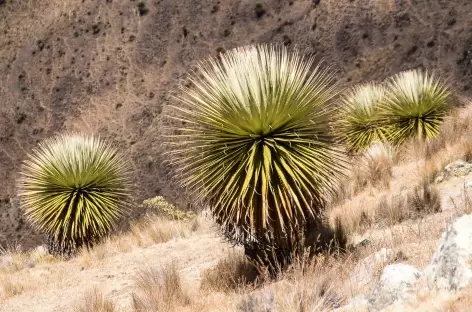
[
  {"x": 358, "y": 124},
  {"x": 256, "y": 144},
  {"x": 74, "y": 187},
  {"x": 415, "y": 106}
]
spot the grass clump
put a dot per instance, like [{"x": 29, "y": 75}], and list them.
[
  {"x": 231, "y": 273},
  {"x": 159, "y": 290},
  {"x": 374, "y": 168},
  {"x": 94, "y": 301}
]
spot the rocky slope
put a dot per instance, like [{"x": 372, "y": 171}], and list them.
[{"x": 109, "y": 67}]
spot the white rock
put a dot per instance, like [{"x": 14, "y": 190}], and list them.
[
  {"x": 439, "y": 179},
  {"x": 450, "y": 267},
  {"x": 358, "y": 304},
  {"x": 363, "y": 273},
  {"x": 40, "y": 251},
  {"x": 399, "y": 275},
  {"x": 395, "y": 282}
]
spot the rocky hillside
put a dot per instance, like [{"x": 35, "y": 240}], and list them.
[{"x": 109, "y": 67}]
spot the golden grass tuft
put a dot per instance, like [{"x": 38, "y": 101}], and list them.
[
  {"x": 159, "y": 290},
  {"x": 94, "y": 301},
  {"x": 147, "y": 231},
  {"x": 386, "y": 209},
  {"x": 231, "y": 273},
  {"x": 10, "y": 287},
  {"x": 374, "y": 168},
  {"x": 418, "y": 202}
]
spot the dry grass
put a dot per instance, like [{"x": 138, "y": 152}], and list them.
[
  {"x": 10, "y": 286},
  {"x": 312, "y": 285},
  {"x": 403, "y": 218},
  {"x": 374, "y": 168},
  {"x": 159, "y": 290},
  {"x": 455, "y": 129},
  {"x": 144, "y": 232},
  {"x": 14, "y": 259},
  {"x": 231, "y": 273},
  {"x": 463, "y": 205},
  {"x": 386, "y": 209},
  {"x": 94, "y": 301},
  {"x": 308, "y": 285},
  {"x": 459, "y": 303},
  {"x": 418, "y": 202}
]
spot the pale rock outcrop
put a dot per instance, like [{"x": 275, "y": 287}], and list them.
[
  {"x": 394, "y": 286},
  {"x": 451, "y": 265}
]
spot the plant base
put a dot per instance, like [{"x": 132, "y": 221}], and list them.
[
  {"x": 274, "y": 257},
  {"x": 65, "y": 249}
]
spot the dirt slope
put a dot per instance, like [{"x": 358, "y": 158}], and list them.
[
  {"x": 56, "y": 287},
  {"x": 109, "y": 66}
]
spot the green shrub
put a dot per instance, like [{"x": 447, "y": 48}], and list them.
[
  {"x": 415, "y": 106},
  {"x": 255, "y": 143},
  {"x": 358, "y": 124},
  {"x": 73, "y": 188},
  {"x": 159, "y": 206}
]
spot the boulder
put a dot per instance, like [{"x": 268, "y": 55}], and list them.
[
  {"x": 394, "y": 286},
  {"x": 451, "y": 265}
]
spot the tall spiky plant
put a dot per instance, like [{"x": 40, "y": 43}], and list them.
[
  {"x": 255, "y": 144},
  {"x": 73, "y": 188},
  {"x": 415, "y": 106},
  {"x": 358, "y": 125}
]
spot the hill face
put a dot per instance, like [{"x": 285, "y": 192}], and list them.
[{"x": 109, "y": 67}]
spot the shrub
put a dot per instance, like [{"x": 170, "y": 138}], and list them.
[
  {"x": 374, "y": 167},
  {"x": 73, "y": 188},
  {"x": 95, "y": 301},
  {"x": 255, "y": 143},
  {"x": 359, "y": 126},
  {"x": 231, "y": 273},
  {"x": 159, "y": 290},
  {"x": 422, "y": 200},
  {"x": 160, "y": 207},
  {"x": 415, "y": 106}
]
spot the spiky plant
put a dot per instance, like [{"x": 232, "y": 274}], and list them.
[
  {"x": 255, "y": 143},
  {"x": 73, "y": 188},
  {"x": 358, "y": 124},
  {"x": 415, "y": 106}
]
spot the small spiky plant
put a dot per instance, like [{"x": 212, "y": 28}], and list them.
[
  {"x": 255, "y": 145},
  {"x": 73, "y": 188},
  {"x": 415, "y": 106},
  {"x": 358, "y": 125}
]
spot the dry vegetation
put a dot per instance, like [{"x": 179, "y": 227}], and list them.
[
  {"x": 390, "y": 201},
  {"x": 404, "y": 215},
  {"x": 159, "y": 290},
  {"x": 94, "y": 301}
]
